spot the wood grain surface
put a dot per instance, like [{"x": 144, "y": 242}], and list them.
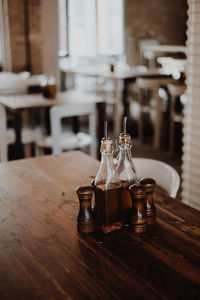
[{"x": 43, "y": 257}]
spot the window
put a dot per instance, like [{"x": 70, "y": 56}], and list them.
[
  {"x": 5, "y": 52},
  {"x": 82, "y": 27},
  {"x": 110, "y": 27},
  {"x": 62, "y": 27},
  {"x": 0, "y": 54},
  {"x": 92, "y": 27}
]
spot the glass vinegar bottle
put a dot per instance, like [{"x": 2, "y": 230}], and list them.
[
  {"x": 127, "y": 173},
  {"x": 107, "y": 191}
]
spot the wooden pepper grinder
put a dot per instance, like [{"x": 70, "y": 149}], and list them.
[
  {"x": 85, "y": 219},
  {"x": 149, "y": 184},
  {"x": 139, "y": 220}
]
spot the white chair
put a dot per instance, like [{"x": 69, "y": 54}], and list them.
[
  {"x": 164, "y": 175},
  {"x": 13, "y": 83},
  {"x": 145, "y": 53},
  {"x": 59, "y": 140},
  {"x": 7, "y": 136}
]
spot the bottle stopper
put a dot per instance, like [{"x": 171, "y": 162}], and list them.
[{"x": 106, "y": 142}]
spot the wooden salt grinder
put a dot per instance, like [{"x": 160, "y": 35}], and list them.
[
  {"x": 149, "y": 184},
  {"x": 85, "y": 219},
  {"x": 139, "y": 220}
]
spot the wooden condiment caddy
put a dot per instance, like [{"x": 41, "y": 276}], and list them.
[{"x": 143, "y": 208}]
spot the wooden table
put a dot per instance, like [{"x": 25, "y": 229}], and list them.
[
  {"x": 43, "y": 257},
  {"x": 167, "y": 48},
  {"x": 121, "y": 78},
  {"x": 17, "y": 103}
]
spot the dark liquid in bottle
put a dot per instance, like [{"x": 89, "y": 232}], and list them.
[
  {"x": 126, "y": 203},
  {"x": 108, "y": 205}
]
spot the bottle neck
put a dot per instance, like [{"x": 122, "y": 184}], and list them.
[
  {"x": 107, "y": 159},
  {"x": 125, "y": 152},
  {"x": 125, "y": 166},
  {"x": 107, "y": 176}
]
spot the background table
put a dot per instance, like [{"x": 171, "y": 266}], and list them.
[
  {"x": 43, "y": 257},
  {"x": 121, "y": 78},
  {"x": 18, "y": 103},
  {"x": 167, "y": 48}
]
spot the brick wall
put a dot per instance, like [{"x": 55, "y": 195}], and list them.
[
  {"x": 18, "y": 41},
  {"x": 17, "y": 34},
  {"x": 164, "y": 20},
  {"x": 35, "y": 36}
]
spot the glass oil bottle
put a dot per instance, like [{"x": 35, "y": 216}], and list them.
[
  {"x": 107, "y": 190},
  {"x": 127, "y": 173}
]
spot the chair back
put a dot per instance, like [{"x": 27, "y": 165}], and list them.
[
  {"x": 164, "y": 175},
  {"x": 145, "y": 53},
  {"x": 58, "y": 112},
  {"x": 3, "y": 134}
]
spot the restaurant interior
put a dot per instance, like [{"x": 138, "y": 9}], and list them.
[
  {"x": 129, "y": 58},
  {"x": 99, "y": 149}
]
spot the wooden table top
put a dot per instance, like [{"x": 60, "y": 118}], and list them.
[
  {"x": 43, "y": 257},
  {"x": 104, "y": 71},
  {"x": 27, "y": 101},
  {"x": 167, "y": 48}
]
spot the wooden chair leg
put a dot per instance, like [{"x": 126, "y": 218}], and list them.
[
  {"x": 39, "y": 151},
  {"x": 3, "y": 152},
  {"x": 157, "y": 124},
  {"x": 171, "y": 140},
  {"x": 3, "y": 135},
  {"x": 27, "y": 150},
  {"x": 92, "y": 132},
  {"x": 140, "y": 119}
]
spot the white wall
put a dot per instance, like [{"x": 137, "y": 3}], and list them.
[{"x": 191, "y": 139}]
